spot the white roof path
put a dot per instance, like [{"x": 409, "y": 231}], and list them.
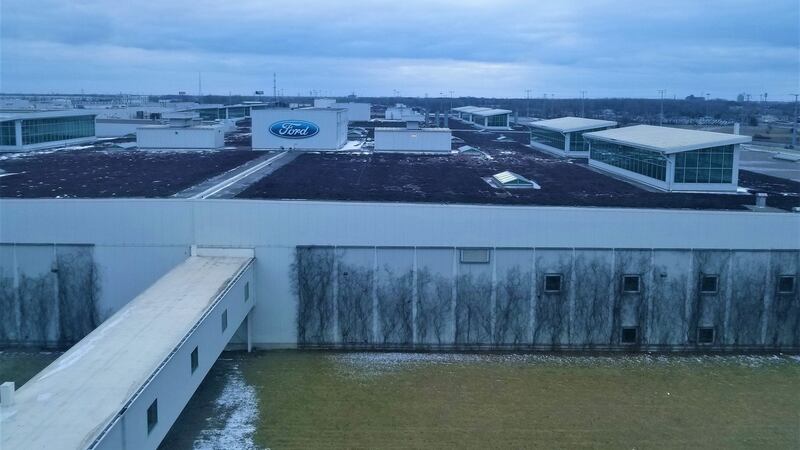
[
  {"x": 570, "y": 124},
  {"x": 69, "y": 403},
  {"x": 665, "y": 139}
]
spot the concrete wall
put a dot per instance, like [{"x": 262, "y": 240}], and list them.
[
  {"x": 136, "y": 240},
  {"x": 356, "y": 111},
  {"x": 205, "y": 137},
  {"x": 332, "y": 124}
]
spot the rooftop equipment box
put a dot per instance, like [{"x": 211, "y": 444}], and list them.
[
  {"x": 299, "y": 129},
  {"x": 410, "y": 140},
  {"x": 175, "y": 137}
]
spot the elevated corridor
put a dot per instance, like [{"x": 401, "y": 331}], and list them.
[{"x": 124, "y": 384}]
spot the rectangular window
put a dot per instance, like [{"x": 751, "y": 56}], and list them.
[
  {"x": 786, "y": 284},
  {"x": 552, "y": 283},
  {"x": 706, "y": 165},
  {"x": 547, "y": 137},
  {"x": 247, "y": 291},
  {"x": 647, "y": 163},
  {"x": 195, "y": 359},
  {"x": 224, "y": 320},
  {"x": 630, "y": 335},
  {"x": 709, "y": 284},
  {"x": 630, "y": 283},
  {"x": 475, "y": 255},
  {"x": 152, "y": 416},
  {"x": 705, "y": 335}
]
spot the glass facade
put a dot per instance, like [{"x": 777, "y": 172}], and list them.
[
  {"x": 36, "y": 131},
  {"x": 643, "y": 162},
  {"x": 706, "y": 165},
  {"x": 497, "y": 121},
  {"x": 547, "y": 137},
  {"x": 8, "y": 133},
  {"x": 480, "y": 120}
]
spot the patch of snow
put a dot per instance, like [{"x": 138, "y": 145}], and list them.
[{"x": 237, "y": 404}]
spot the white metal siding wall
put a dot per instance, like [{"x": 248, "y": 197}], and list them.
[
  {"x": 180, "y": 138},
  {"x": 413, "y": 141},
  {"x": 147, "y": 228},
  {"x": 332, "y": 125}
]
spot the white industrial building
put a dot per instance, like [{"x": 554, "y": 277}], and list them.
[
  {"x": 26, "y": 131},
  {"x": 564, "y": 136},
  {"x": 299, "y": 129},
  {"x": 413, "y": 139},
  {"x": 670, "y": 159},
  {"x": 356, "y": 112},
  {"x": 485, "y": 118},
  {"x": 121, "y": 127},
  {"x": 183, "y": 132},
  {"x": 402, "y": 112}
]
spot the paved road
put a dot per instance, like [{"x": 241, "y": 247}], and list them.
[{"x": 763, "y": 162}]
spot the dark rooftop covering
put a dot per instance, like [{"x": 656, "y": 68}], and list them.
[
  {"x": 93, "y": 173},
  {"x": 458, "y": 179}
]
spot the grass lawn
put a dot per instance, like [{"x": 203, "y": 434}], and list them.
[{"x": 384, "y": 400}]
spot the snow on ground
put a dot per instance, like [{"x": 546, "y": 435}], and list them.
[
  {"x": 367, "y": 365},
  {"x": 237, "y": 407}
]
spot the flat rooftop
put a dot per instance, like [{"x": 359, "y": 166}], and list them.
[
  {"x": 360, "y": 176},
  {"x": 385, "y": 177},
  {"x": 666, "y": 139},
  {"x": 46, "y": 114},
  {"x": 68, "y": 404},
  {"x": 570, "y": 124},
  {"x": 408, "y": 130},
  {"x": 96, "y": 172}
]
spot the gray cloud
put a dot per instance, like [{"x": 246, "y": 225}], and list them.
[{"x": 491, "y": 48}]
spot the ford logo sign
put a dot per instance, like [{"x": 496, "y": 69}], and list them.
[{"x": 293, "y": 129}]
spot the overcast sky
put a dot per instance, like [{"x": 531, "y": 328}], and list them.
[{"x": 610, "y": 48}]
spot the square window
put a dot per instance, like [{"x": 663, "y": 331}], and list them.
[
  {"x": 247, "y": 291},
  {"x": 475, "y": 255},
  {"x": 709, "y": 284},
  {"x": 552, "y": 283},
  {"x": 705, "y": 335},
  {"x": 152, "y": 416},
  {"x": 786, "y": 284},
  {"x": 195, "y": 359},
  {"x": 630, "y": 335},
  {"x": 630, "y": 283},
  {"x": 224, "y": 320}
]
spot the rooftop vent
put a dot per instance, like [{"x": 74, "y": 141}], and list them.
[
  {"x": 761, "y": 200},
  {"x": 509, "y": 179}
]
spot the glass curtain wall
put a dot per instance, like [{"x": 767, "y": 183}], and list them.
[
  {"x": 8, "y": 133},
  {"x": 707, "y": 165},
  {"x": 548, "y": 137},
  {"x": 643, "y": 162},
  {"x": 35, "y": 131},
  {"x": 497, "y": 121}
]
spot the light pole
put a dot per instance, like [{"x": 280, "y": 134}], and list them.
[
  {"x": 661, "y": 114},
  {"x": 527, "y": 102},
  {"x": 794, "y": 129},
  {"x": 583, "y": 98}
]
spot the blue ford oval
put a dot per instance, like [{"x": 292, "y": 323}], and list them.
[{"x": 293, "y": 129}]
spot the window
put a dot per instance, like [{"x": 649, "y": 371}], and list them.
[
  {"x": 644, "y": 162},
  {"x": 709, "y": 284},
  {"x": 224, "y": 320},
  {"x": 705, "y": 335},
  {"x": 630, "y": 335},
  {"x": 8, "y": 133},
  {"x": 706, "y": 165},
  {"x": 195, "y": 359},
  {"x": 152, "y": 416},
  {"x": 630, "y": 283},
  {"x": 247, "y": 291},
  {"x": 500, "y": 120},
  {"x": 786, "y": 284},
  {"x": 35, "y": 131},
  {"x": 547, "y": 137},
  {"x": 475, "y": 255},
  {"x": 552, "y": 283}
]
